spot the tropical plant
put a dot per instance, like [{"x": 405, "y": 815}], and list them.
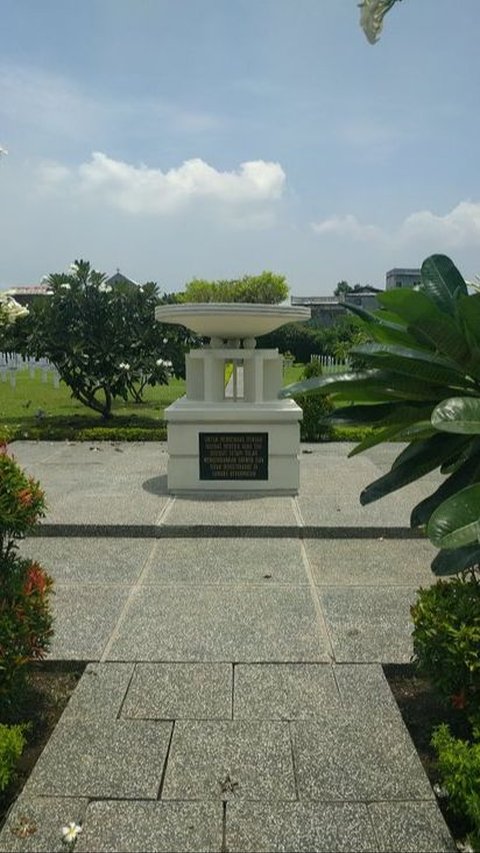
[
  {"x": 421, "y": 385},
  {"x": 266, "y": 288},
  {"x": 25, "y": 617},
  {"x": 459, "y": 767},
  {"x": 446, "y": 640},
  {"x": 103, "y": 340}
]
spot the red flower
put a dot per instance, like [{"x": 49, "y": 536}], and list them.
[
  {"x": 25, "y": 497},
  {"x": 37, "y": 580}
]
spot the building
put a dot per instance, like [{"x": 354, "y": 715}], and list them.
[
  {"x": 327, "y": 310},
  {"x": 402, "y": 277},
  {"x": 25, "y": 294}
]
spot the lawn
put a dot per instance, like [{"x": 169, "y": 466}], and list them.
[{"x": 36, "y": 409}]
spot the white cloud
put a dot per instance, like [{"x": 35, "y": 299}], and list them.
[
  {"x": 145, "y": 190},
  {"x": 347, "y": 226},
  {"x": 458, "y": 228}
]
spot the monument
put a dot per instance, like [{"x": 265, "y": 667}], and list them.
[{"x": 236, "y": 436}]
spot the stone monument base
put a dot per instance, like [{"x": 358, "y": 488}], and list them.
[{"x": 233, "y": 446}]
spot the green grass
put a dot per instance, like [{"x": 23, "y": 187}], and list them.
[
  {"x": 293, "y": 374},
  {"x": 35, "y": 409}
]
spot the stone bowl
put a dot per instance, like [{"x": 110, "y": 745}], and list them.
[{"x": 230, "y": 320}]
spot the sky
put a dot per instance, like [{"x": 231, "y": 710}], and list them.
[{"x": 216, "y": 138}]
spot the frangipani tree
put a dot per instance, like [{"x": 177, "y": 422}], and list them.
[{"x": 421, "y": 385}]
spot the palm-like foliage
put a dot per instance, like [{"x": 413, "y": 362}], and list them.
[{"x": 421, "y": 385}]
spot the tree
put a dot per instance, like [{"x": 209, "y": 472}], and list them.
[
  {"x": 103, "y": 341},
  {"x": 342, "y": 287},
  {"x": 421, "y": 385},
  {"x": 266, "y": 288}
]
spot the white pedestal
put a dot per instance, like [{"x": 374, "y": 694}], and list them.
[{"x": 246, "y": 443}]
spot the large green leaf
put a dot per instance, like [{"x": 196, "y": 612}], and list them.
[
  {"x": 456, "y": 560},
  {"x": 458, "y": 414},
  {"x": 456, "y": 522},
  {"x": 466, "y": 474},
  {"x": 427, "y": 323},
  {"x": 445, "y": 337},
  {"x": 369, "y": 386},
  {"x": 383, "y": 326},
  {"x": 413, "y": 362},
  {"x": 418, "y": 459},
  {"x": 442, "y": 282},
  {"x": 381, "y": 414},
  {"x": 468, "y": 312}
]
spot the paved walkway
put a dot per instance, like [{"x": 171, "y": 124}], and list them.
[{"x": 235, "y": 698}]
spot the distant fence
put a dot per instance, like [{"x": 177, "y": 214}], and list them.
[
  {"x": 12, "y": 364},
  {"x": 330, "y": 364}
]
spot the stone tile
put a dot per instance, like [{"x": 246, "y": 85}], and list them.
[
  {"x": 285, "y": 692},
  {"x": 108, "y": 759},
  {"x": 100, "y": 692},
  {"x": 221, "y": 760},
  {"x": 337, "y": 503},
  {"x": 357, "y": 757},
  {"x": 411, "y": 828},
  {"x": 90, "y": 561},
  {"x": 364, "y": 689},
  {"x": 146, "y": 827},
  {"x": 299, "y": 828},
  {"x": 212, "y": 623},
  {"x": 88, "y": 507},
  {"x": 363, "y": 562},
  {"x": 369, "y": 624},
  {"x": 237, "y": 510},
  {"x": 265, "y": 561},
  {"x": 84, "y": 618},
  {"x": 35, "y": 824},
  {"x": 175, "y": 691}
]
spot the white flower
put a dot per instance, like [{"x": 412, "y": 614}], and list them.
[
  {"x": 440, "y": 792},
  {"x": 65, "y": 285},
  {"x": 3, "y": 151},
  {"x": 73, "y": 269},
  {"x": 70, "y": 832},
  {"x": 124, "y": 365},
  {"x": 104, "y": 287},
  {"x": 372, "y": 15},
  {"x": 165, "y": 340},
  {"x": 12, "y": 308}
]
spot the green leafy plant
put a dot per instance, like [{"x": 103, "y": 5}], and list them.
[
  {"x": 25, "y": 618},
  {"x": 421, "y": 385},
  {"x": 459, "y": 767},
  {"x": 102, "y": 339},
  {"x": 315, "y": 407},
  {"x": 12, "y": 743},
  {"x": 446, "y": 640},
  {"x": 266, "y": 288}
]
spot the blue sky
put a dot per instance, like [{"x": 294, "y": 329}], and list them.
[{"x": 214, "y": 138}]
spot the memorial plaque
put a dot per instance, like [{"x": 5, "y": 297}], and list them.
[{"x": 233, "y": 455}]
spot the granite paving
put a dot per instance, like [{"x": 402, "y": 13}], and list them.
[{"x": 234, "y": 696}]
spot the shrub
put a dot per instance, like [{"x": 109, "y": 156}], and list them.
[
  {"x": 313, "y": 368},
  {"x": 25, "y": 619},
  {"x": 446, "y": 639},
  {"x": 314, "y": 426},
  {"x": 459, "y": 766},
  {"x": 12, "y": 742}
]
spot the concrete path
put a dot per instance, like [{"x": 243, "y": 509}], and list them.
[{"x": 235, "y": 698}]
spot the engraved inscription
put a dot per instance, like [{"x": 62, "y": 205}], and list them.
[{"x": 233, "y": 455}]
